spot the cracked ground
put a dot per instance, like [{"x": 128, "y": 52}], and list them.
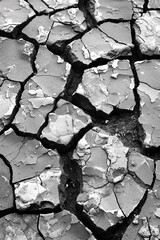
[{"x": 79, "y": 119}]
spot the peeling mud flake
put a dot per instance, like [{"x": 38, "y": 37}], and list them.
[
  {"x": 34, "y": 106},
  {"x": 27, "y": 157},
  {"x": 142, "y": 166},
  {"x": 128, "y": 194},
  {"x": 39, "y": 28},
  {"x": 41, "y": 188},
  {"x": 15, "y": 59},
  {"x": 13, "y": 13},
  {"x": 73, "y": 17},
  {"x": 147, "y": 29},
  {"x": 6, "y": 191},
  {"x": 62, "y": 125},
  {"x": 51, "y": 75},
  {"x": 106, "y": 9},
  {"x": 19, "y": 227},
  {"x": 60, "y": 4},
  {"x": 109, "y": 85},
  {"x": 97, "y": 44},
  {"x": 8, "y": 93},
  {"x": 148, "y": 73},
  {"x": 62, "y": 226}
]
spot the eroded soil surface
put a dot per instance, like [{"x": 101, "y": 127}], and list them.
[{"x": 79, "y": 119}]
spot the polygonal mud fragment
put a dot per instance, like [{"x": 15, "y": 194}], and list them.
[
  {"x": 129, "y": 194},
  {"x": 13, "y": 13},
  {"x": 64, "y": 123},
  {"x": 60, "y": 32},
  {"x": 34, "y": 106},
  {"x": 22, "y": 227},
  {"x": 6, "y": 191},
  {"x": 15, "y": 59},
  {"x": 154, "y": 4},
  {"x": 147, "y": 30},
  {"x": 148, "y": 73},
  {"x": 109, "y": 85},
  {"x": 41, "y": 188},
  {"x": 39, "y": 28},
  {"x": 39, "y": 6},
  {"x": 73, "y": 17},
  {"x": 8, "y": 94},
  {"x": 62, "y": 226},
  {"x": 114, "y": 30},
  {"x": 27, "y": 157},
  {"x": 142, "y": 166},
  {"x": 60, "y": 4},
  {"x": 51, "y": 72},
  {"x": 97, "y": 44},
  {"x": 106, "y": 9}
]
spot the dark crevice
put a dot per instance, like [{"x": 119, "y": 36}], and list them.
[
  {"x": 16, "y": 33},
  {"x": 75, "y": 139},
  {"x": 103, "y": 61},
  {"x": 6, "y": 34},
  {"x": 44, "y": 207},
  {"x": 30, "y": 5},
  {"x": 23, "y": 134},
  {"x": 136, "y": 53},
  {"x": 83, "y": 103},
  {"x": 73, "y": 80},
  {"x": 136, "y": 95},
  {"x": 59, "y": 47},
  {"x": 7, "y": 212},
  {"x": 152, "y": 152},
  {"x": 145, "y": 6},
  {"x": 84, "y": 6},
  {"x": 36, "y": 208},
  {"x": 98, "y": 116}
]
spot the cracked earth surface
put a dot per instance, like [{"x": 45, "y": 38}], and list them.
[{"x": 79, "y": 119}]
